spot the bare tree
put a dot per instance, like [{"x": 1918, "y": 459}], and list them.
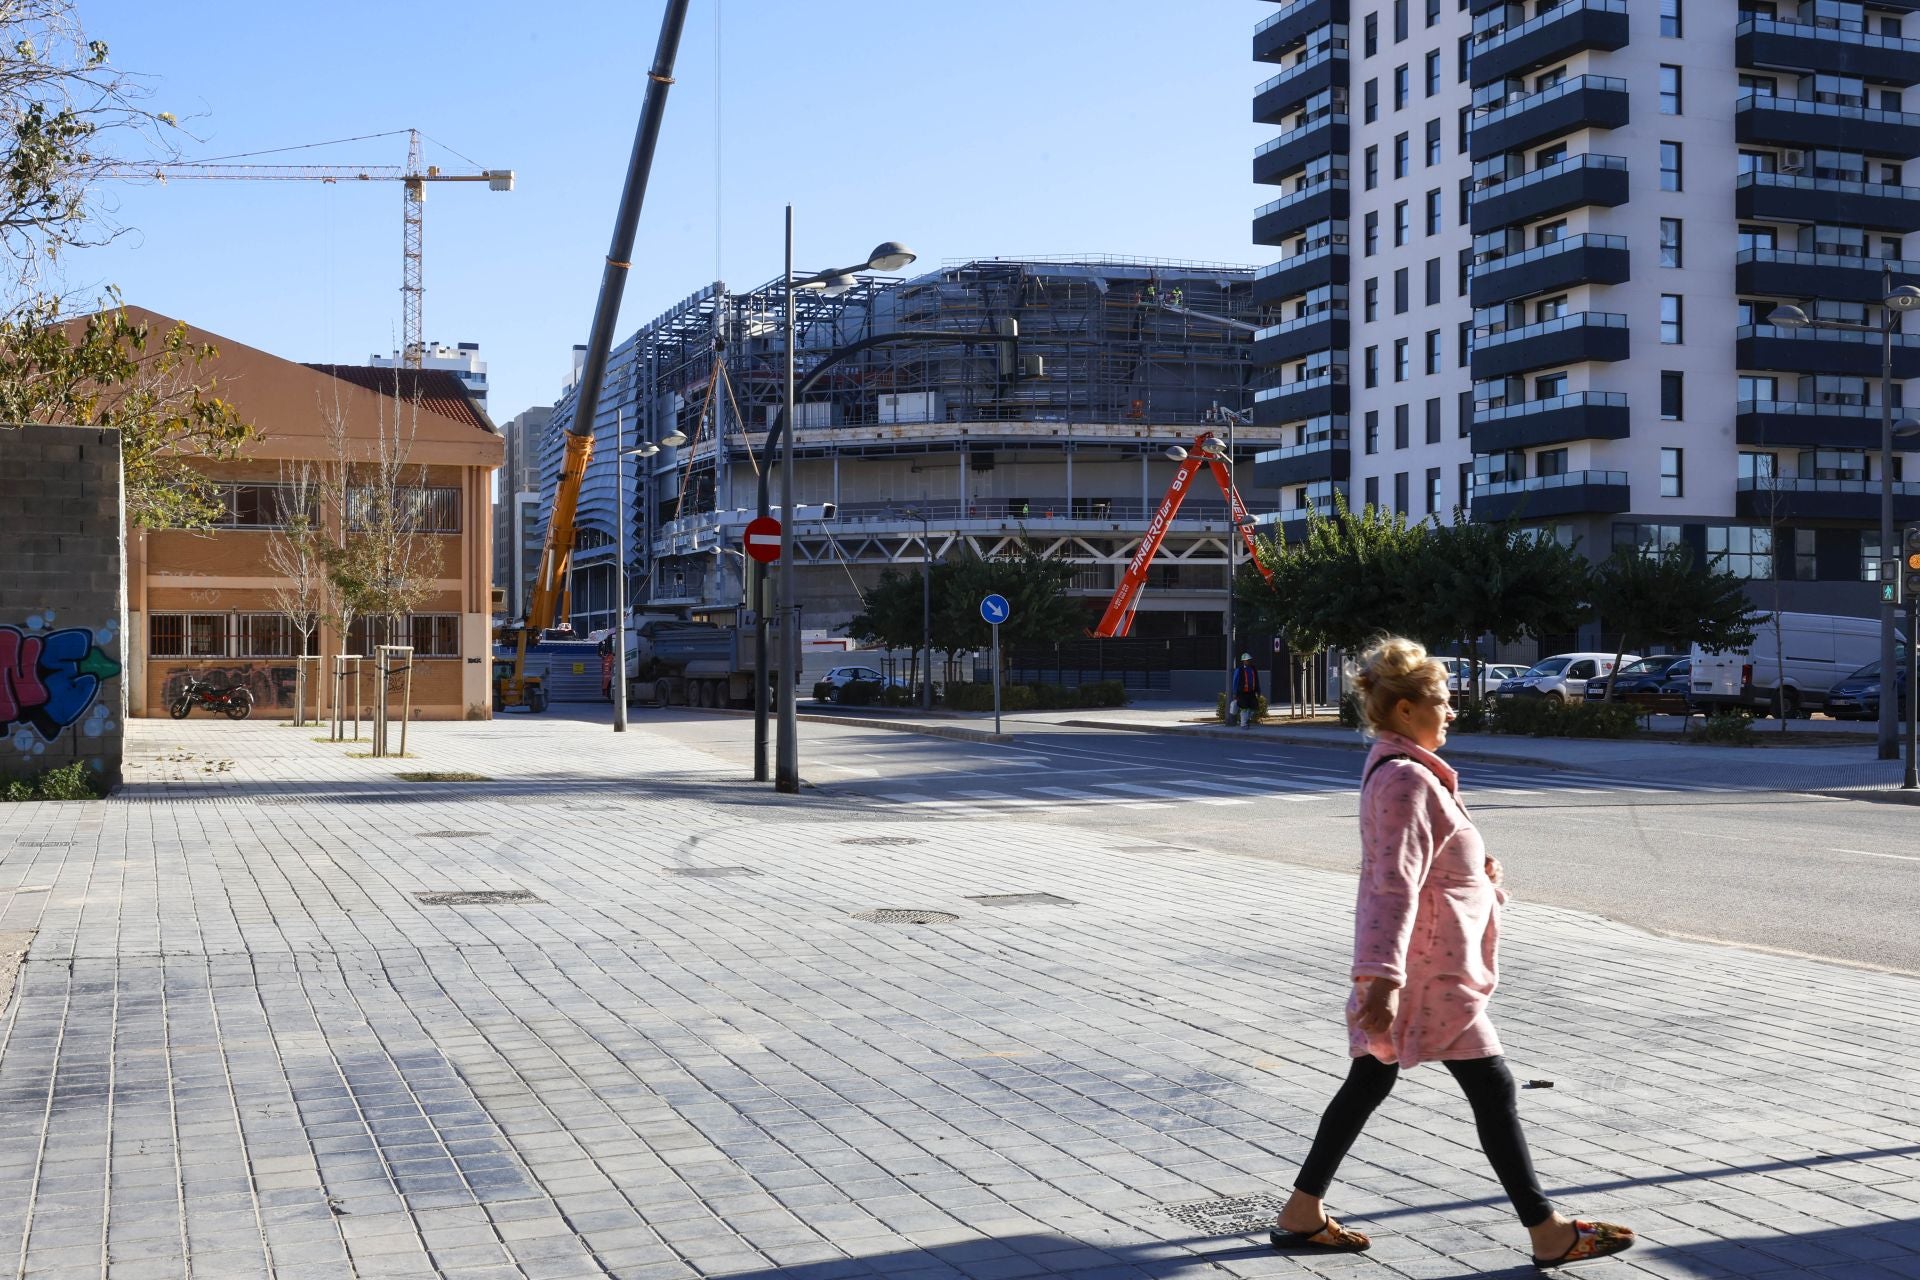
[{"x": 297, "y": 555}]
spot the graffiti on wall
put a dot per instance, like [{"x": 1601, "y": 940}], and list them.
[
  {"x": 270, "y": 686},
  {"x": 50, "y": 681}
]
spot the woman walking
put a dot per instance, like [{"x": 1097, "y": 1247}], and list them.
[{"x": 1426, "y": 935}]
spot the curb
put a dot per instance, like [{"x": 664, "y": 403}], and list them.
[
  {"x": 1298, "y": 740},
  {"x": 925, "y": 730}
]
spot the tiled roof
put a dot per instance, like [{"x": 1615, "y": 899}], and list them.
[{"x": 437, "y": 390}]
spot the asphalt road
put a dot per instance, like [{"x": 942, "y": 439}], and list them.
[{"x": 1783, "y": 871}]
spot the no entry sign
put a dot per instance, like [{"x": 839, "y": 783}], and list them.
[{"x": 763, "y": 539}]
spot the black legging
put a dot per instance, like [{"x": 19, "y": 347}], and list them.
[{"x": 1489, "y": 1088}]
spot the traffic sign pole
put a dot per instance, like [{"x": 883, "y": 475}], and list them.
[
  {"x": 995, "y": 610},
  {"x": 996, "y": 677},
  {"x": 1910, "y": 779}
]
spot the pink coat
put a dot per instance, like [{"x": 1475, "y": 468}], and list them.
[{"x": 1428, "y": 916}]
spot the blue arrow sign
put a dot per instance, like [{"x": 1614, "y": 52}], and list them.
[{"x": 994, "y": 609}]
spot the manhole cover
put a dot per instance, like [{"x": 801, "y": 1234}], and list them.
[
  {"x": 711, "y": 873},
  {"x": 1022, "y": 900},
  {"x": 905, "y": 915},
  {"x": 883, "y": 840},
  {"x": 1227, "y": 1216},
  {"x": 474, "y": 897},
  {"x": 452, "y": 835}
]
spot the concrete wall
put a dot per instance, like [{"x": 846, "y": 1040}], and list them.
[{"x": 62, "y": 602}]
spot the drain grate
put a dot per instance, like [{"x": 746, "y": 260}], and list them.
[
  {"x": 711, "y": 873},
  {"x": 475, "y": 897},
  {"x": 905, "y": 915},
  {"x": 1022, "y": 900},
  {"x": 1228, "y": 1215},
  {"x": 883, "y": 841},
  {"x": 44, "y": 844},
  {"x": 451, "y": 835}
]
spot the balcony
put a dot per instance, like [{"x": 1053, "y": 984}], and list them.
[
  {"x": 1290, "y": 525},
  {"x": 1571, "y": 493},
  {"x": 1782, "y": 197},
  {"x": 1583, "y": 259},
  {"x": 1574, "y": 183},
  {"x": 1323, "y": 395},
  {"x": 1294, "y": 150},
  {"x": 1321, "y": 331},
  {"x": 1556, "y": 34},
  {"x": 1584, "y": 102},
  {"x": 1767, "y": 43},
  {"x": 1569, "y": 339},
  {"x": 1839, "y": 277},
  {"x": 1290, "y": 215},
  {"x": 1812, "y": 350},
  {"x": 1580, "y": 415},
  {"x": 1324, "y": 455},
  {"x": 1285, "y": 93},
  {"x": 1287, "y": 28},
  {"x": 1303, "y": 272},
  {"x": 1796, "y": 424},
  {"x": 1788, "y": 122},
  {"x": 1795, "y": 498}
]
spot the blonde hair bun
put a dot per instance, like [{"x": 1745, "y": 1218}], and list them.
[{"x": 1391, "y": 669}]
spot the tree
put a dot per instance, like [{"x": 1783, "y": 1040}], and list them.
[
  {"x": 382, "y": 567},
  {"x": 296, "y": 552},
  {"x": 1358, "y": 580},
  {"x": 1663, "y": 598},
  {"x": 1274, "y": 601},
  {"x": 1040, "y": 612},
  {"x": 891, "y": 614}
]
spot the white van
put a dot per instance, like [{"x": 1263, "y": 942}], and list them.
[
  {"x": 1561, "y": 678},
  {"x": 1819, "y": 651}
]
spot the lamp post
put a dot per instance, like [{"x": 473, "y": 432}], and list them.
[
  {"x": 1216, "y": 452},
  {"x": 645, "y": 449},
  {"x": 1895, "y": 303},
  {"x": 890, "y": 256}
]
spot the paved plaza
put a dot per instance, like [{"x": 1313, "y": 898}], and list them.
[{"x": 644, "y": 1023}]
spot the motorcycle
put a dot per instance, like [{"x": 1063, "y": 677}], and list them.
[{"x": 232, "y": 700}]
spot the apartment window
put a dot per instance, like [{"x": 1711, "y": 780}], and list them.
[
  {"x": 1466, "y": 484},
  {"x": 1433, "y": 281},
  {"x": 1669, "y": 90},
  {"x": 1549, "y": 385},
  {"x": 1461, "y": 54},
  {"x": 1372, "y": 36},
  {"x": 1370, "y": 100},
  {"x": 1370, "y": 237},
  {"x": 1433, "y": 143},
  {"x": 1433, "y": 361},
  {"x": 1400, "y": 424},
  {"x": 1465, "y": 202},
  {"x": 1433, "y": 420},
  {"x": 1400, "y": 491},
  {"x": 1463, "y": 410},
  {"x": 1760, "y": 86},
  {"x": 1670, "y": 166},
  {"x": 1549, "y": 309},
  {"x": 1757, "y": 388},
  {"x": 1463, "y": 125},
  {"x": 1401, "y": 156},
  {"x": 1669, "y": 19},
  {"x": 1672, "y": 476},
  {"x": 1672, "y": 395},
  {"x": 1753, "y": 237},
  {"x": 1402, "y": 367},
  {"x": 1433, "y": 72},
  {"x": 1400, "y": 83},
  {"x": 1400, "y": 291},
  {"x": 1758, "y": 465},
  {"x": 1669, "y": 242},
  {"x": 1370, "y": 367},
  {"x": 1433, "y": 490},
  {"x": 1399, "y": 20},
  {"x": 1465, "y": 342},
  {"x": 1433, "y": 12},
  {"x": 1670, "y": 322},
  {"x": 1549, "y": 232},
  {"x": 1370, "y": 292},
  {"x": 1372, "y": 431},
  {"x": 1463, "y": 270},
  {"x": 1400, "y": 223},
  {"x": 1372, "y": 491},
  {"x": 1370, "y": 169},
  {"x": 1745, "y": 551},
  {"x": 1550, "y": 462}
]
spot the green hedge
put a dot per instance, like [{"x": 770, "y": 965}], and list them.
[
  {"x": 1539, "y": 718},
  {"x": 1220, "y": 709},
  {"x": 1728, "y": 728},
  {"x": 978, "y": 696},
  {"x": 70, "y": 782}
]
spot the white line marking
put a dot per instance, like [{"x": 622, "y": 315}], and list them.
[{"x": 1868, "y": 853}]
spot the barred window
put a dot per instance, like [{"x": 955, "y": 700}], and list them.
[
  {"x": 420, "y": 510},
  {"x": 368, "y": 632},
  {"x": 166, "y": 635},
  {"x": 206, "y": 635},
  {"x": 266, "y": 635},
  {"x": 436, "y": 635},
  {"x": 259, "y": 506}
]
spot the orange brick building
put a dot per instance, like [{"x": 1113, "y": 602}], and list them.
[{"x": 202, "y": 603}]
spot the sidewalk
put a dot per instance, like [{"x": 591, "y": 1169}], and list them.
[{"x": 240, "y": 1035}]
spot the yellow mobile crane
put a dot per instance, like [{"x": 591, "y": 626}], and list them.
[{"x": 512, "y": 686}]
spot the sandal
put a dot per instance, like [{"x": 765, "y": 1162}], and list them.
[
  {"x": 1329, "y": 1237},
  {"x": 1590, "y": 1240}
]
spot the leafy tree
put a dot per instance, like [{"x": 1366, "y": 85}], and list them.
[
  {"x": 1664, "y": 598},
  {"x": 1358, "y": 580},
  {"x": 892, "y": 611},
  {"x": 1273, "y": 601},
  {"x": 1035, "y": 585}
]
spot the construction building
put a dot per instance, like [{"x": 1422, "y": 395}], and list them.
[
  {"x": 518, "y": 524},
  {"x": 939, "y": 432},
  {"x": 462, "y": 360},
  {"x": 1527, "y": 256}
]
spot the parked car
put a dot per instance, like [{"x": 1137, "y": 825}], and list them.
[
  {"x": 1660, "y": 683},
  {"x": 827, "y": 688},
  {"x": 1858, "y": 696},
  {"x": 1819, "y": 651},
  {"x": 1562, "y": 677},
  {"x": 1491, "y": 675}
]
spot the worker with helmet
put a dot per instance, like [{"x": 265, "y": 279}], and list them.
[{"x": 1246, "y": 689}]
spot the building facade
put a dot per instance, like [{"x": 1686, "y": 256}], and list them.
[
  {"x": 1527, "y": 256},
  {"x": 462, "y": 360},
  {"x": 935, "y": 432},
  {"x": 517, "y": 522}
]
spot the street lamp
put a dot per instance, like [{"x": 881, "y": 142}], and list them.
[
  {"x": 645, "y": 449},
  {"x": 1895, "y": 303},
  {"x": 890, "y": 255},
  {"x": 1214, "y": 451}
]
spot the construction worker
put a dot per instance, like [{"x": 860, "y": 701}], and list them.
[
  {"x": 1175, "y": 298},
  {"x": 1153, "y": 293},
  {"x": 1246, "y": 689}
]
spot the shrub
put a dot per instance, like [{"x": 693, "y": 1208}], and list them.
[
  {"x": 1103, "y": 693},
  {"x": 1220, "y": 709},
  {"x": 895, "y": 695},
  {"x": 968, "y": 697},
  {"x": 1471, "y": 719},
  {"x": 978, "y": 696},
  {"x": 1350, "y": 711},
  {"x": 858, "y": 693},
  {"x": 1728, "y": 728},
  {"x": 1539, "y": 718},
  {"x": 1600, "y": 720},
  {"x": 69, "y": 782}
]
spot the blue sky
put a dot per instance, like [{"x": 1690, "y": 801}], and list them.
[{"x": 965, "y": 128}]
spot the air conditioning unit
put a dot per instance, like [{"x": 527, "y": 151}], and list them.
[{"x": 1792, "y": 161}]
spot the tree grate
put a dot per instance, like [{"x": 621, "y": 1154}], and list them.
[
  {"x": 451, "y": 835},
  {"x": 711, "y": 873},
  {"x": 905, "y": 915},
  {"x": 1227, "y": 1215},
  {"x": 883, "y": 841},
  {"x": 1022, "y": 900},
  {"x": 474, "y": 897}
]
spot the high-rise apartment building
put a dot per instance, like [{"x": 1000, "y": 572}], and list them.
[
  {"x": 1528, "y": 255},
  {"x": 462, "y": 360}
]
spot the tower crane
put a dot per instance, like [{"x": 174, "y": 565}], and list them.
[{"x": 414, "y": 179}]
